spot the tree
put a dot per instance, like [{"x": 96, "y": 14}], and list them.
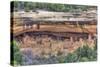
[
  {"x": 17, "y": 57},
  {"x": 48, "y": 6},
  {"x": 82, "y": 54}
]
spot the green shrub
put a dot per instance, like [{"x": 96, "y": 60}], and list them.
[
  {"x": 84, "y": 59},
  {"x": 82, "y": 54},
  {"x": 86, "y": 54},
  {"x": 17, "y": 57},
  {"x": 71, "y": 57}
]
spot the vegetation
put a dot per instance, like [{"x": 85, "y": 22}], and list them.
[
  {"x": 17, "y": 57},
  {"x": 35, "y": 55},
  {"x": 82, "y": 54},
  {"x": 20, "y": 5}
]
